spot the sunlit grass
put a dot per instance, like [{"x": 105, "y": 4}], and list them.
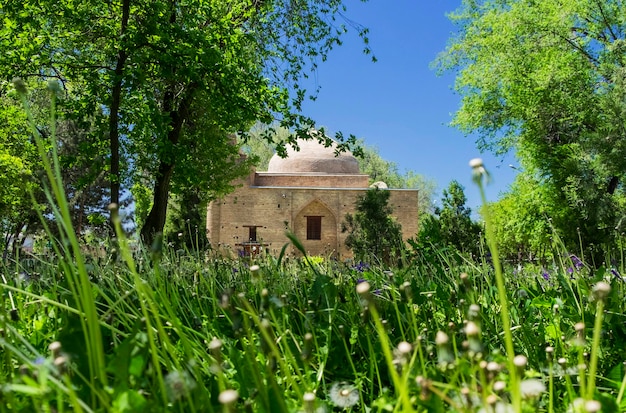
[{"x": 151, "y": 330}]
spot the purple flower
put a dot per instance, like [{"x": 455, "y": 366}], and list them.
[
  {"x": 570, "y": 270},
  {"x": 578, "y": 264},
  {"x": 360, "y": 280},
  {"x": 361, "y": 266},
  {"x": 615, "y": 273},
  {"x": 546, "y": 275}
]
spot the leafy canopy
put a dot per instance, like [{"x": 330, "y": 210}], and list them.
[{"x": 547, "y": 79}]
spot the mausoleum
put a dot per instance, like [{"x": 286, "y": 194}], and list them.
[{"x": 309, "y": 192}]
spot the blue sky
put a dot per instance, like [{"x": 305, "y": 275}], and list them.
[{"x": 399, "y": 104}]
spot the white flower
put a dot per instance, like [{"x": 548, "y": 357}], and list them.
[
  {"x": 344, "y": 395},
  {"x": 531, "y": 388}
]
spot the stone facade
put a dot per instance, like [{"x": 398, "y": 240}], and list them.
[{"x": 299, "y": 193}]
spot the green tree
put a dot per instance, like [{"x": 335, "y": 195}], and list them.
[
  {"x": 547, "y": 79},
  {"x": 156, "y": 68},
  {"x": 451, "y": 224},
  {"x": 521, "y": 220},
  {"x": 372, "y": 231}
]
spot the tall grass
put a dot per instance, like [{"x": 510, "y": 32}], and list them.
[{"x": 189, "y": 331}]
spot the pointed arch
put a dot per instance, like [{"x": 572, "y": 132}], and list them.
[{"x": 315, "y": 226}]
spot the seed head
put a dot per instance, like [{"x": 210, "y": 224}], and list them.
[
  {"x": 344, "y": 395},
  {"x": 472, "y": 329},
  {"x": 476, "y": 163},
  {"x": 520, "y": 361},
  {"x": 405, "y": 347},
  {"x": 601, "y": 290},
  {"x": 20, "y": 86},
  {"x": 531, "y": 388},
  {"x": 441, "y": 338},
  {"x": 55, "y": 348},
  {"x": 592, "y": 406},
  {"x": 363, "y": 288},
  {"x": 228, "y": 397}
]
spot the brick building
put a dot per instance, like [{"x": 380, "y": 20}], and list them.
[{"x": 309, "y": 192}]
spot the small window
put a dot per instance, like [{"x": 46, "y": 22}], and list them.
[
  {"x": 314, "y": 227},
  {"x": 252, "y": 234}
]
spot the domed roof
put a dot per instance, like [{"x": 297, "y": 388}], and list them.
[
  {"x": 379, "y": 185},
  {"x": 314, "y": 157}
]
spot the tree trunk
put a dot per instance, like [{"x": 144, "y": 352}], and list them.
[{"x": 156, "y": 218}]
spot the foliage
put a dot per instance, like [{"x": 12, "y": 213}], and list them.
[
  {"x": 522, "y": 220},
  {"x": 169, "y": 81},
  {"x": 451, "y": 224},
  {"x": 21, "y": 196},
  {"x": 134, "y": 330},
  {"x": 373, "y": 234},
  {"x": 546, "y": 79}
]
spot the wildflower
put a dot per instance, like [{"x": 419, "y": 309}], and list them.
[
  {"x": 546, "y": 275},
  {"x": 344, "y": 395},
  {"x": 578, "y": 264},
  {"x": 361, "y": 266},
  {"x": 616, "y": 274},
  {"x": 531, "y": 388}
]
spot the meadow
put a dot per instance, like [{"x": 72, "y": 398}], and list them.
[
  {"x": 163, "y": 330},
  {"x": 131, "y": 329}
]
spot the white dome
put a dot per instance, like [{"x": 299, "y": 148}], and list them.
[
  {"x": 316, "y": 158},
  {"x": 379, "y": 185}
]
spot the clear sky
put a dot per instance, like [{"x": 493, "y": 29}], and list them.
[{"x": 399, "y": 104}]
